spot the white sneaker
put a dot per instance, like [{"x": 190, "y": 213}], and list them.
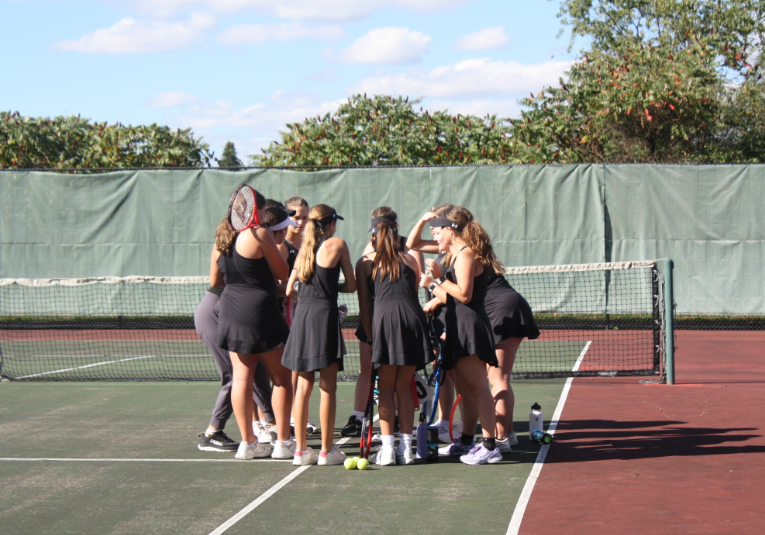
[
  {"x": 261, "y": 432},
  {"x": 304, "y": 458},
  {"x": 404, "y": 457},
  {"x": 480, "y": 455},
  {"x": 513, "y": 438},
  {"x": 284, "y": 451},
  {"x": 256, "y": 450},
  {"x": 503, "y": 445},
  {"x": 333, "y": 457},
  {"x": 443, "y": 435},
  {"x": 384, "y": 457}
]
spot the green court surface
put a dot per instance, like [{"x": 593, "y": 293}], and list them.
[
  {"x": 122, "y": 458},
  {"x": 158, "y": 359}
]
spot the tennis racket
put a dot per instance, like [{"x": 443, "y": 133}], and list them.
[
  {"x": 365, "y": 444},
  {"x": 243, "y": 210},
  {"x": 435, "y": 380}
]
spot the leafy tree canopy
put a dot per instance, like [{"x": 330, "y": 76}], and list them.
[
  {"x": 383, "y": 130},
  {"x": 74, "y": 142}
]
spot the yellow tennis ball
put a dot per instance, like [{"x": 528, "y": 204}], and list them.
[
  {"x": 350, "y": 463},
  {"x": 362, "y": 464},
  {"x": 356, "y": 459}
]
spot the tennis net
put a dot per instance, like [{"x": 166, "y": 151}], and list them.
[{"x": 595, "y": 319}]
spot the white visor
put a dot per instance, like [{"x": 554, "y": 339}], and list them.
[{"x": 284, "y": 224}]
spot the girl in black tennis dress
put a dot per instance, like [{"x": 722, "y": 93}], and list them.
[
  {"x": 251, "y": 328},
  {"x": 315, "y": 341},
  {"x": 469, "y": 344},
  {"x": 400, "y": 338}
]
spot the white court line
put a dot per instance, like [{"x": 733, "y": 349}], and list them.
[
  {"x": 266, "y": 495},
  {"x": 83, "y": 367},
  {"x": 29, "y": 459},
  {"x": 523, "y": 501}
]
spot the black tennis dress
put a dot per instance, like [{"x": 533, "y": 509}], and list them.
[
  {"x": 509, "y": 313},
  {"x": 361, "y": 335},
  {"x": 400, "y": 330},
  {"x": 249, "y": 320},
  {"x": 291, "y": 257},
  {"x": 440, "y": 315},
  {"x": 468, "y": 329},
  {"x": 315, "y": 340}
]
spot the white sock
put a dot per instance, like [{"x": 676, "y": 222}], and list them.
[
  {"x": 405, "y": 443},
  {"x": 358, "y": 414},
  {"x": 210, "y": 432},
  {"x": 287, "y": 442},
  {"x": 263, "y": 423},
  {"x": 292, "y": 422},
  {"x": 443, "y": 424},
  {"x": 388, "y": 441}
]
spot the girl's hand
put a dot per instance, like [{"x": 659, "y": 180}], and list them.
[
  {"x": 425, "y": 281},
  {"x": 427, "y": 216},
  {"x": 431, "y": 306},
  {"x": 434, "y": 268}
]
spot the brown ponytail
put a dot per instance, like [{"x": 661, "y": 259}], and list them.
[
  {"x": 224, "y": 237},
  {"x": 475, "y": 237},
  {"x": 387, "y": 252},
  {"x": 313, "y": 233}
]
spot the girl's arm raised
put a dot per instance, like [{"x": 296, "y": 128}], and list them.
[{"x": 415, "y": 242}]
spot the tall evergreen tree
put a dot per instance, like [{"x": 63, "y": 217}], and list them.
[{"x": 229, "y": 159}]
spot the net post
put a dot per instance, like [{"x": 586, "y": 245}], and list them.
[{"x": 669, "y": 321}]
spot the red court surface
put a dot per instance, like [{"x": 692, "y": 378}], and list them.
[{"x": 647, "y": 458}]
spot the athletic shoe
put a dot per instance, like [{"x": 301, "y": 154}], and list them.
[
  {"x": 261, "y": 432},
  {"x": 384, "y": 457},
  {"x": 271, "y": 431},
  {"x": 256, "y": 450},
  {"x": 304, "y": 458},
  {"x": 333, "y": 457},
  {"x": 513, "y": 438},
  {"x": 480, "y": 455},
  {"x": 352, "y": 428},
  {"x": 503, "y": 445},
  {"x": 218, "y": 441},
  {"x": 284, "y": 451},
  {"x": 443, "y": 435},
  {"x": 455, "y": 448},
  {"x": 404, "y": 457}
]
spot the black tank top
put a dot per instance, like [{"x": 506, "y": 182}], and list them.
[{"x": 324, "y": 282}]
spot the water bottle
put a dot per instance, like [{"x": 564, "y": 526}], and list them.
[
  {"x": 432, "y": 453},
  {"x": 540, "y": 437},
  {"x": 536, "y": 421},
  {"x": 422, "y": 437}
]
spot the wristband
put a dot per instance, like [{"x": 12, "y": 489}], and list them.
[
  {"x": 432, "y": 287},
  {"x": 441, "y": 279}
]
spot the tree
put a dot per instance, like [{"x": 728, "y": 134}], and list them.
[
  {"x": 229, "y": 159},
  {"x": 383, "y": 130},
  {"x": 662, "y": 81},
  {"x": 74, "y": 142}
]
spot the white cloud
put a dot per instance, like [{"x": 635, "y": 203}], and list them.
[
  {"x": 334, "y": 10},
  {"x": 469, "y": 79},
  {"x": 387, "y": 46},
  {"x": 170, "y": 99},
  {"x": 484, "y": 39},
  {"x": 254, "y": 34},
  {"x": 130, "y": 36},
  {"x": 480, "y": 107}
]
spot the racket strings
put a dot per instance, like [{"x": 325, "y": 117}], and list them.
[{"x": 242, "y": 209}]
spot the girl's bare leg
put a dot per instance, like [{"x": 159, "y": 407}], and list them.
[
  {"x": 501, "y": 390},
  {"x": 328, "y": 407}
]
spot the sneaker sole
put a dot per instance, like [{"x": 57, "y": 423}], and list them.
[
  {"x": 216, "y": 449},
  {"x": 491, "y": 460}
]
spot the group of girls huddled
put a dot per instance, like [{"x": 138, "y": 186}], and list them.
[{"x": 273, "y": 306}]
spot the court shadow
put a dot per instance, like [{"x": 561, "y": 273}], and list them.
[{"x": 587, "y": 440}]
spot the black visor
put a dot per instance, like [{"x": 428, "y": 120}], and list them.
[
  {"x": 438, "y": 222},
  {"x": 377, "y": 220}
]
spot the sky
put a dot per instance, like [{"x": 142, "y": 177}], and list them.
[{"x": 239, "y": 70}]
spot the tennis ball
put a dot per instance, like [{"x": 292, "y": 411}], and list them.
[
  {"x": 356, "y": 459},
  {"x": 362, "y": 464},
  {"x": 350, "y": 463}
]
